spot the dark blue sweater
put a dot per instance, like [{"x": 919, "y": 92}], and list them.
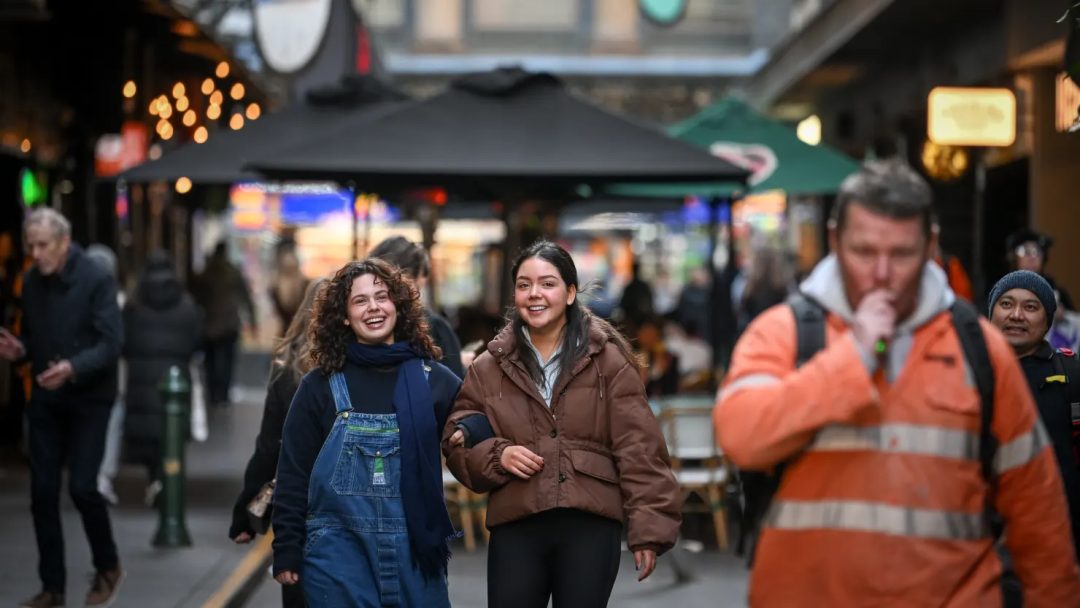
[{"x": 307, "y": 425}]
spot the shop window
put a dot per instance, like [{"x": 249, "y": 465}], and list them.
[
  {"x": 525, "y": 15},
  {"x": 382, "y": 14}
]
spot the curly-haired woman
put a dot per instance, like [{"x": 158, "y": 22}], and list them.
[
  {"x": 359, "y": 516},
  {"x": 576, "y": 451}
]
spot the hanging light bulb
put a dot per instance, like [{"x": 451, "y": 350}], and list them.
[
  {"x": 165, "y": 110},
  {"x": 213, "y": 112},
  {"x": 130, "y": 89},
  {"x": 189, "y": 118},
  {"x": 237, "y": 91},
  {"x": 222, "y": 70},
  {"x": 166, "y": 131},
  {"x": 182, "y": 104},
  {"x": 183, "y": 185},
  {"x": 26, "y": 146},
  {"x": 201, "y": 135},
  {"x": 178, "y": 90},
  {"x": 236, "y": 122},
  {"x": 207, "y": 86},
  {"x": 253, "y": 111},
  {"x": 217, "y": 98}
]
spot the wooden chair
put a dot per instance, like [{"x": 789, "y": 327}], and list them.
[{"x": 699, "y": 466}]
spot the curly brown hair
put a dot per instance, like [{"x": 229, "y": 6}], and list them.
[{"x": 329, "y": 335}]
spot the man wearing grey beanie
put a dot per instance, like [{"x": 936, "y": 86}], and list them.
[{"x": 1022, "y": 306}]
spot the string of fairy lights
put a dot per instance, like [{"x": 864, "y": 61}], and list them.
[
  {"x": 180, "y": 109},
  {"x": 175, "y": 108}
]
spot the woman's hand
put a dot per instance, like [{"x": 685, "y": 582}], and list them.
[
  {"x": 644, "y": 562},
  {"x": 243, "y": 538},
  {"x": 457, "y": 439},
  {"x": 521, "y": 461},
  {"x": 287, "y": 577}
]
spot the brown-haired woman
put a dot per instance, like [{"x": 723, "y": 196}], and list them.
[
  {"x": 359, "y": 517},
  {"x": 291, "y": 360},
  {"x": 576, "y": 450}
]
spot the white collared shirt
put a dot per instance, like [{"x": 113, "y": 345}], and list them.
[{"x": 550, "y": 369}]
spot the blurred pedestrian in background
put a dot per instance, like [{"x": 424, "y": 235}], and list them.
[
  {"x": 287, "y": 285},
  {"x": 659, "y": 365},
  {"x": 72, "y": 335},
  {"x": 291, "y": 360},
  {"x": 110, "y": 461},
  {"x": 163, "y": 327},
  {"x": 636, "y": 302},
  {"x": 359, "y": 517},
  {"x": 1030, "y": 250},
  {"x": 884, "y": 493},
  {"x": 577, "y": 450},
  {"x": 413, "y": 260},
  {"x": 223, "y": 294},
  {"x": 769, "y": 279},
  {"x": 694, "y": 308}
]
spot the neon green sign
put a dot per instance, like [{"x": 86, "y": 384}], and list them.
[{"x": 33, "y": 192}]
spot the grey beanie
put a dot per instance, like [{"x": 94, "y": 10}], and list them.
[
  {"x": 104, "y": 256},
  {"x": 1031, "y": 281}
]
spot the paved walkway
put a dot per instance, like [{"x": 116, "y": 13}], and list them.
[
  {"x": 719, "y": 582},
  {"x": 181, "y": 577}
]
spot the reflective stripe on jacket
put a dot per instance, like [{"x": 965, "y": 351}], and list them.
[{"x": 882, "y": 499}]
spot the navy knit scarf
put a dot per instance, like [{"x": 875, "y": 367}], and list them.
[{"x": 426, "y": 517}]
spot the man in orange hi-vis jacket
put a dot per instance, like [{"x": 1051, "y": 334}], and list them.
[{"x": 882, "y": 499}]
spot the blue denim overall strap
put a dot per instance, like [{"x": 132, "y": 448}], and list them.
[{"x": 357, "y": 550}]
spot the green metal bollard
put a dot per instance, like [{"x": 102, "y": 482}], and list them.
[{"x": 176, "y": 401}]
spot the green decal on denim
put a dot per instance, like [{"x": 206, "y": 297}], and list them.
[
  {"x": 371, "y": 429},
  {"x": 379, "y": 478}
]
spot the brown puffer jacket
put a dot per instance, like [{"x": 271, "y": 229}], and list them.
[{"x": 602, "y": 448}]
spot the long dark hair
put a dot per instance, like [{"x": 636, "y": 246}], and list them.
[
  {"x": 328, "y": 333},
  {"x": 579, "y": 319},
  {"x": 292, "y": 354}
]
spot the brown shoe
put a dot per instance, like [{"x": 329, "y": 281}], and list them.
[
  {"x": 104, "y": 587},
  {"x": 45, "y": 599}
]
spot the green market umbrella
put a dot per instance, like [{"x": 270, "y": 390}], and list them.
[{"x": 776, "y": 158}]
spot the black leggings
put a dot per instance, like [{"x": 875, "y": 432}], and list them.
[{"x": 567, "y": 555}]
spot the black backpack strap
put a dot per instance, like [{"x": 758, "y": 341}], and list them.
[
  {"x": 969, "y": 331},
  {"x": 759, "y": 487},
  {"x": 809, "y": 327}
]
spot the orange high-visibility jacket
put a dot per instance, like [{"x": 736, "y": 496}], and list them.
[{"x": 882, "y": 501}]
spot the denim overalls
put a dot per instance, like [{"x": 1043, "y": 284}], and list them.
[{"x": 357, "y": 548}]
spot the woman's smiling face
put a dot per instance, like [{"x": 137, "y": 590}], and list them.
[
  {"x": 541, "y": 296},
  {"x": 371, "y": 311}
]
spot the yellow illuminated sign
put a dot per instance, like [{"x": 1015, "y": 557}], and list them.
[{"x": 971, "y": 116}]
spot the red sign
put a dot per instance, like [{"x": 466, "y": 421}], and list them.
[{"x": 116, "y": 153}]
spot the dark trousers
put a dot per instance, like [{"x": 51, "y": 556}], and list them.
[
  {"x": 220, "y": 356},
  {"x": 565, "y": 554},
  {"x": 292, "y": 596},
  {"x": 70, "y": 433}
]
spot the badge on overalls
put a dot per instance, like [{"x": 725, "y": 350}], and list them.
[{"x": 379, "y": 477}]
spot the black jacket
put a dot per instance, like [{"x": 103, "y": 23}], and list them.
[
  {"x": 447, "y": 340},
  {"x": 163, "y": 329},
  {"x": 263, "y": 464},
  {"x": 73, "y": 315},
  {"x": 1054, "y": 410}
]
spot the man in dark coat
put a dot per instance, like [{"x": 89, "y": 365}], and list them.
[
  {"x": 162, "y": 324},
  {"x": 72, "y": 338}
]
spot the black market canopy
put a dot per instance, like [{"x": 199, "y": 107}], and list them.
[{"x": 507, "y": 126}]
